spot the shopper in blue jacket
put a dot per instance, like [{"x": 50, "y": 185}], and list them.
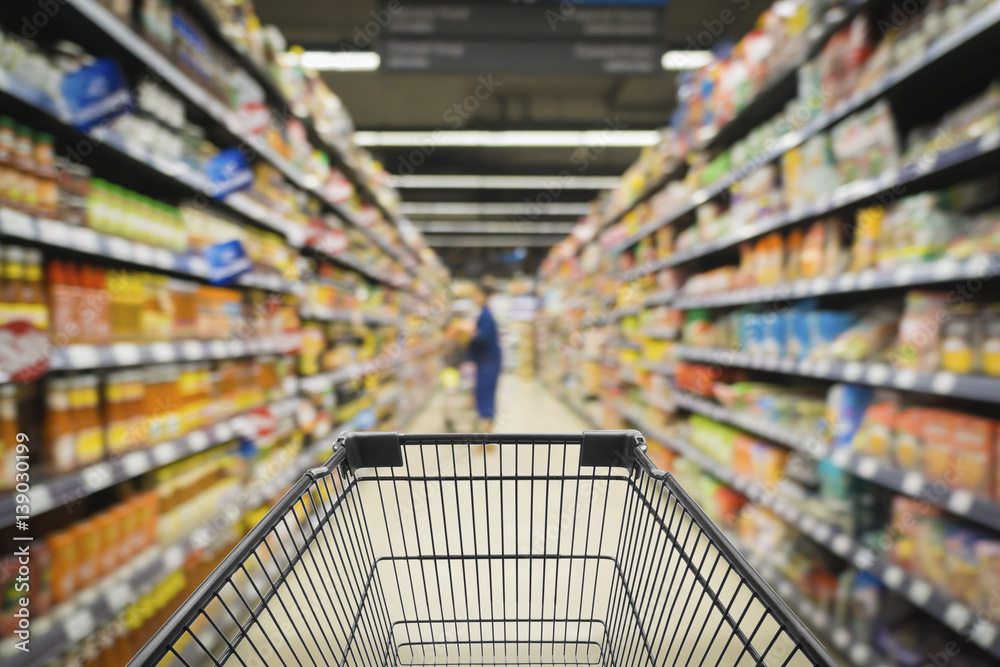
[{"x": 484, "y": 350}]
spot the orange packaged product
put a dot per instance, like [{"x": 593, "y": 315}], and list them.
[
  {"x": 63, "y": 548},
  {"x": 939, "y": 445},
  {"x": 132, "y": 524},
  {"x": 94, "y": 309},
  {"x": 813, "y": 250},
  {"x": 148, "y": 517},
  {"x": 126, "y": 527},
  {"x": 875, "y": 437},
  {"x": 793, "y": 255},
  {"x": 743, "y": 455},
  {"x": 88, "y": 553},
  {"x": 769, "y": 463},
  {"x": 973, "y": 457},
  {"x": 908, "y": 447},
  {"x": 109, "y": 535},
  {"x": 64, "y": 293},
  {"x": 770, "y": 262},
  {"x": 660, "y": 455}
]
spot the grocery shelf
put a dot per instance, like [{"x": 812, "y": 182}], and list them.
[
  {"x": 62, "y": 489},
  {"x": 658, "y": 333},
  {"x": 670, "y": 173},
  {"x": 90, "y": 609},
  {"x": 986, "y": 147},
  {"x": 625, "y": 311},
  {"x": 658, "y": 402},
  {"x": 109, "y": 597},
  {"x": 659, "y": 367},
  {"x": 349, "y": 261},
  {"x": 177, "y": 173},
  {"x": 810, "y": 445},
  {"x": 80, "y": 357},
  {"x": 860, "y": 653},
  {"x": 933, "y": 601},
  {"x": 959, "y": 502},
  {"x": 121, "y": 355},
  {"x": 976, "y": 28},
  {"x": 86, "y": 241},
  {"x": 344, "y": 315},
  {"x": 905, "y": 276},
  {"x": 339, "y": 157},
  {"x": 56, "y": 234},
  {"x": 662, "y": 298},
  {"x": 781, "y": 87},
  {"x": 771, "y": 98},
  {"x": 159, "y": 64},
  {"x": 320, "y": 382},
  {"x": 624, "y": 344},
  {"x": 942, "y": 383}
]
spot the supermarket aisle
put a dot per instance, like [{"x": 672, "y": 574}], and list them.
[{"x": 523, "y": 405}]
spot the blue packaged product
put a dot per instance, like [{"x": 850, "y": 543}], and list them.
[
  {"x": 845, "y": 407},
  {"x": 824, "y": 326},
  {"x": 751, "y": 333},
  {"x": 773, "y": 335}
]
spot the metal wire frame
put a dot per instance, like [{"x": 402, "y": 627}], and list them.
[{"x": 485, "y": 550}]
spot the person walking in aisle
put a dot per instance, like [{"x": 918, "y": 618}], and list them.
[{"x": 484, "y": 350}]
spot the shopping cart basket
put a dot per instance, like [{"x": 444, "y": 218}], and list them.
[{"x": 432, "y": 549}]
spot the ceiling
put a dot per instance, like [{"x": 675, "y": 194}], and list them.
[{"x": 392, "y": 100}]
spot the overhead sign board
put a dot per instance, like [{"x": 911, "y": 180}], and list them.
[
  {"x": 512, "y": 57},
  {"x": 561, "y": 19}
]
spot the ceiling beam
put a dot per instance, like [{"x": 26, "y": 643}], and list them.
[
  {"x": 463, "y": 182},
  {"x": 512, "y": 138}
]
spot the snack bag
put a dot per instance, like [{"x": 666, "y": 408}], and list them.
[
  {"x": 973, "y": 440},
  {"x": 918, "y": 347}
]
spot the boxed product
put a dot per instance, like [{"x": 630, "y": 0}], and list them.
[{"x": 846, "y": 405}]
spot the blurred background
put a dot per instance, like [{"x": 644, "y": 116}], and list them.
[{"x": 760, "y": 232}]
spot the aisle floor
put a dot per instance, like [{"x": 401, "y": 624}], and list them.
[{"x": 523, "y": 406}]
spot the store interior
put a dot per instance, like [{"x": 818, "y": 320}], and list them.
[{"x": 760, "y": 233}]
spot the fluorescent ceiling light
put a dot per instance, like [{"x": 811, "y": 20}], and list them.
[
  {"x": 553, "y": 183},
  {"x": 477, "y": 227},
  {"x": 680, "y": 60},
  {"x": 340, "y": 61},
  {"x": 499, "y": 208},
  {"x": 511, "y": 139},
  {"x": 497, "y": 241}
]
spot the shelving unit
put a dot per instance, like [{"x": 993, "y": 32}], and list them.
[
  {"x": 378, "y": 259},
  {"x": 943, "y": 383},
  {"x": 923, "y": 595},
  {"x": 679, "y": 319}
]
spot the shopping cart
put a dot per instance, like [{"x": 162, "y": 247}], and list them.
[{"x": 429, "y": 549}]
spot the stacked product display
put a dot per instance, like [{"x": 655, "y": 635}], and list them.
[
  {"x": 201, "y": 284},
  {"x": 795, "y": 305}
]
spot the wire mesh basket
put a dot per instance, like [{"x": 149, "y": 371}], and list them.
[{"x": 468, "y": 549}]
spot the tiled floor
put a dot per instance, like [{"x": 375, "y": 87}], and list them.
[{"x": 523, "y": 406}]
